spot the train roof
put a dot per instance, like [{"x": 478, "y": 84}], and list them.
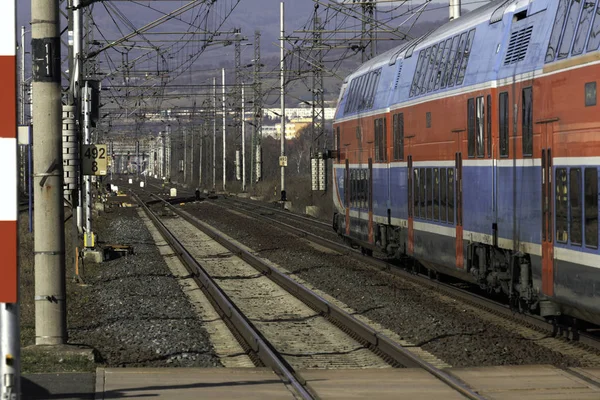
[{"x": 492, "y": 12}]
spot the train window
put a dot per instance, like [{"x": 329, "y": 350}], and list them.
[
  {"x": 569, "y": 30},
  {"x": 337, "y": 144},
  {"x": 349, "y": 96},
  {"x": 361, "y": 188},
  {"x": 479, "y": 127},
  {"x": 443, "y": 62},
  {"x": 584, "y": 26},
  {"x": 366, "y": 91},
  {"x": 416, "y": 191},
  {"x": 471, "y": 126},
  {"x": 429, "y": 194},
  {"x": 561, "y": 205},
  {"x": 357, "y": 94},
  {"x": 465, "y": 60},
  {"x": 436, "y": 194},
  {"x": 423, "y": 197},
  {"x": 443, "y": 204},
  {"x": 365, "y": 188},
  {"x": 503, "y": 123},
  {"x": 451, "y": 61},
  {"x": 451, "y": 195},
  {"x": 458, "y": 60},
  {"x": 575, "y": 230},
  {"x": 373, "y": 92},
  {"x": 424, "y": 68},
  {"x": 594, "y": 40},
  {"x": 357, "y": 189},
  {"x": 489, "y": 125},
  {"x": 590, "y": 94},
  {"x": 557, "y": 30},
  {"x": 431, "y": 59},
  {"x": 435, "y": 74},
  {"x": 352, "y": 189},
  {"x": 417, "y": 76},
  {"x": 380, "y": 140},
  {"x": 428, "y": 119},
  {"x": 399, "y": 136},
  {"x": 591, "y": 207},
  {"x": 528, "y": 121}
]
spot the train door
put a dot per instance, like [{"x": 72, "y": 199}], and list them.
[
  {"x": 370, "y": 198},
  {"x": 411, "y": 232},
  {"x": 547, "y": 214},
  {"x": 459, "y": 210},
  {"x": 348, "y": 188}
]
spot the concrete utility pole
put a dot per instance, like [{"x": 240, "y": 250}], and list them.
[
  {"x": 454, "y": 9},
  {"x": 75, "y": 96},
  {"x": 201, "y": 152},
  {"x": 214, "y": 141},
  {"x": 238, "y": 84},
  {"x": 49, "y": 239},
  {"x": 224, "y": 129},
  {"x": 89, "y": 241},
  {"x": 257, "y": 133},
  {"x": 282, "y": 76},
  {"x": 22, "y": 82},
  {"x": 10, "y": 357},
  {"x": 243, "y": 140}
]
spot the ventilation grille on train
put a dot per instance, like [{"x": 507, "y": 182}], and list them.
[
  {"x": 398, "y": 75},
  {"x": 517, "y": 46}
]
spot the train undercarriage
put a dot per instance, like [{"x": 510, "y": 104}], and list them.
[{"x": 503, "y": 274}]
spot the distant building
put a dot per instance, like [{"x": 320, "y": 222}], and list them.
[{"x": 298, "y": 112}]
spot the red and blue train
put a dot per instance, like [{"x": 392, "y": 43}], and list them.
[{"x": 475, "y": 150}]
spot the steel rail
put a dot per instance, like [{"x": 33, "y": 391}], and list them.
[
  {"x": 259, "y": 345},
  {"x": 278, "y": 211},
  {"x": 376, "y": 339},
  {"x": 462, "y": 294}
]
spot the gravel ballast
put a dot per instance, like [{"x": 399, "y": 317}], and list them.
[
  {"x": 133, "y": 311},
  {"x": 439, "y": 325}
]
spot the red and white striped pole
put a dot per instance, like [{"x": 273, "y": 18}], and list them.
[{"x": 9, "y": 278}]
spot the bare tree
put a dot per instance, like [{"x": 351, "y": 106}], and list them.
[{"x": 299, "y": 150}]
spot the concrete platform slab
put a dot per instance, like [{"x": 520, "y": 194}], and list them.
[
  {"x": 526, "y": 382},
  {"x": 65, "y": 386},
  {"x": 493, "y": 383},
  {"x": 381, "y": 384},
  {"x": 189, "y": 383}
]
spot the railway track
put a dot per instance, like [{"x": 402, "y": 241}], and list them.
[
  {"x": 283, "y": 324},
  {"x": 311, "y": 229}
]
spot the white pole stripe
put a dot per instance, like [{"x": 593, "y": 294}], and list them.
[
  {"x": 8, "y": 179},
  {"x": 8, "y": 41}
]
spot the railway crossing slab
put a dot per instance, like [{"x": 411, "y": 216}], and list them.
[
  {"x": 190, "y": 383},
  {"x": 494, "y": 383},
  {"x": 538, "y": 382}
]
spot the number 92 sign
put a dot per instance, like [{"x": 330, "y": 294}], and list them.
[{"x": 94, "y": 160}]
